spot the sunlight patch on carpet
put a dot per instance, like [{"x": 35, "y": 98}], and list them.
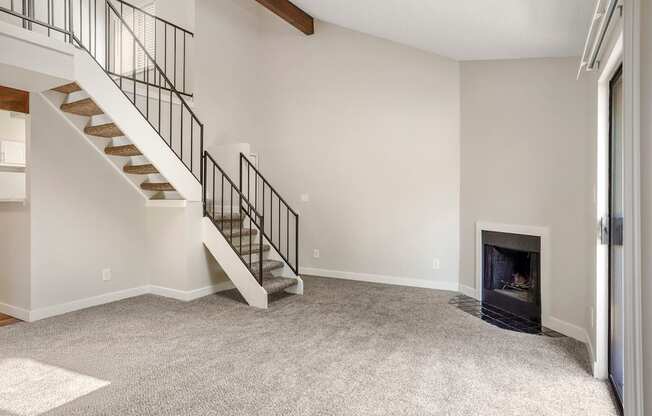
[{"x": 31, "y": 388}]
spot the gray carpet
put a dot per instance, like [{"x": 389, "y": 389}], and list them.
[{"x": 345, "y": 348}]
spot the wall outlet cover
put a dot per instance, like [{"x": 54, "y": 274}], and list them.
[
  {"x": 305, "y": 198},
  {"x": 106, "y": 275},
  {"x": 435, "y": 264},
  {"x": 315, "y": 253}
]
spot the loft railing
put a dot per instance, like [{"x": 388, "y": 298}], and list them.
[
  {"x": 225, "y": 205},
  {"x": 148, "y": 87},
  {"x": 168, "y": 43},
  {"x": 281, "y": 226},
  {"x": 100, "y": 29}
]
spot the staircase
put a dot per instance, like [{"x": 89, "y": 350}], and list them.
[
  {"x": 152, "y": 136},
  {"x": 123, "y": 153}
]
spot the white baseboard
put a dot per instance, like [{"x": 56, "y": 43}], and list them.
[
  {"x": 378, "y": 278},
  {"x": 50, "y": 311},
  {"x": 14, "y": 311},
  {"x": 55, "y": 310},
  {"x": 570, "y": 330},
  {"x": 469, "y": 291},
  {"x": 190, "y": 295}
]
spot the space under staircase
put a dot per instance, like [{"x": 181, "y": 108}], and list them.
[{"x": 157, "y": 140}]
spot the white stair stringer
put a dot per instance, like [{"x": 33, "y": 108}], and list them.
[
  {"x": 78, "y": 123},
  {"x": 232, "y": 264},
  {"x": 108, "y": 96}
]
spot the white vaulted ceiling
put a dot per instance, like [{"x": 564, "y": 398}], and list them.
[{"x": 467, "y": 29}]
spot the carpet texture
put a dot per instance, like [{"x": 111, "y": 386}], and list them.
[{"x": 345, "y": 348}]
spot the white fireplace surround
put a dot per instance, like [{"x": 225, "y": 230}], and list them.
[{"x": 544, "y": 234}]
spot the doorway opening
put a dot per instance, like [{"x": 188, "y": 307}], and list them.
[{"x": 613, "y": 237}]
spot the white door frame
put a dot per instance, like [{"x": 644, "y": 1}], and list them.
[{"x": 633, "y": 402}]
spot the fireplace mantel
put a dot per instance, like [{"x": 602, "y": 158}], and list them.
[{"x": 543, "y": 233}]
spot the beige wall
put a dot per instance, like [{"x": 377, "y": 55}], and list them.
[
  {"x": 14, "y": 256},
  {"x": 227, "y": 69},
  {"x": 528, "y": 158},
  {"x": 646, "y": 196},
  {"x": 370, "y": 130},
  {"x": 106, "y": 228}
]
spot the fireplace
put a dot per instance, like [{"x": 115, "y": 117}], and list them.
[{"x": 511, "y": 273}]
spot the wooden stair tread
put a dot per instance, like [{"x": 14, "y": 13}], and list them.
[
  {"x": 7, "y": 320},
  {"x": 147, "y": 169},
  {"x": 108, "y": 130},
  {"x": 277, "y": 284},
  {"x": 126, "y": 150},
  {"x": 157, "y": 186},
  {"x": 85, "y": 107},
  {"x": 68, "y": 88}
]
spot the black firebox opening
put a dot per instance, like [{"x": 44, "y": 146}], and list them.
[{"x": 512, "y": 273}]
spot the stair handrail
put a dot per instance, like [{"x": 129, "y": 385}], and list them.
[
  {"x": 244, "y": 207},
  {"x": 165, "y": 48},
  {"x": 157, "y": 67},
  {"x": 245, "y": 163},
  {"x": 167, "y": 22}
]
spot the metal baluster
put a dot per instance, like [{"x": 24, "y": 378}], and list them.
[
  {"x": 121, "y": 57},
  {"x": 260, "y": 246},
  {"x": 287, "y": 233},
  {"x": 296, "y": 246},
  {"x": 159, "y": 101},
  {"x": 95, "y": 26},
  {"x": 262, "y": 229},
  {"x": 231, "y": 210},
  {"x": 184, "y": 62},
  {"x": 165, "y": 49},
  {"x": 107, "y": 35},
  {"x": 203, "y": 181},
  {"x": 147, "y": 87},
  {"x": 133, "y": 51},
  {"x": 175, "y": 57}
]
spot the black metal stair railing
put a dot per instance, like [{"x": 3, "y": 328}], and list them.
[
  {"x": 281, "y": 226},
  {"x": 99, "y": 28},
  {"x": 167, "y": 42},
  {"x": 225, "y": 205},
  {"x": 148, "y": 87}
]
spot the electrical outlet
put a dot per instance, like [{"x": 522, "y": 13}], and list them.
[
  {"x": 305, "y": 198},
  {"x": 435, "y": 264},
  {"x": 315, "y": 253},
  {"x": 106, "y": 275}
]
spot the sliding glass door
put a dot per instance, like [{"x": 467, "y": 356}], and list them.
[{"x": 616, "y": 219}]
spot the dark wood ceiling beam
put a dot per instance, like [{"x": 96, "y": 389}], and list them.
[
  {"x": 14, "y": 100},
  {"x": 291, "y": 14}
]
